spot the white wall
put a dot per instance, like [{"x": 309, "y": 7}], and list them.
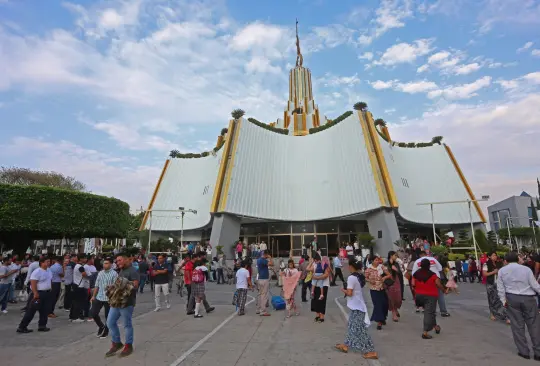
[
  {"x": 431, "y": 177},
  {"x": 302, "y": 178},
  {"x": 183, "y": 185}
]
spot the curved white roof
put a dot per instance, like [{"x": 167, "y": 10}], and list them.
[
  {"x": 427, "y": 174},
  {"x": 188, "y": 183},
  {"x": 302, "y": 178}
]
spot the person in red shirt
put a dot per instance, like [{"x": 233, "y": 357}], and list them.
[
  {"x": 426, "y": 285},
  {"x": 187, "y": 265}
]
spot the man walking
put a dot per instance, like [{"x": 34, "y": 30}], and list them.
[
  {"x": 41, "y": 300},
  {"x": 5, "y": 282},
  {"x": 459, "y": 270},
  {"x": 81, "y": 286},
  {"x": 130, "y": 274},
  {"x": 263, "y": 282},
  {"x": 338, "y": 272},
  {"x": 143, "y": 273},
  {"x": 56, "y": 283},
  {"x": 161, "y": 282},
  {"x": 517, "y": 290},
  {"x": 105, "y": 278}
]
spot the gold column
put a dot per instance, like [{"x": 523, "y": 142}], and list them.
[
  {"x": 304, "y": 122},
  {"x": 154, "y": 195},
  {"x": 222, "y": 168},
  {"x": 230, "y": 165}
]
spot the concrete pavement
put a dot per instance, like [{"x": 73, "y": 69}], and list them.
[{"x": 171, "y": 338}]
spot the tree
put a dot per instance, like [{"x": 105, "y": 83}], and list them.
[
  {"x": 463, "y": 238},
  {"x": 360, "y": 106},
  {"x": 30, "y": 213},
  {"x": 523, "y": 236},
  {"x": 27, "y": 177},
  {"x": 492, "y": 239},
  {"x": 366, "y": 240},
  {"x": 437, "y": 140},
  {"x": 380, "y": 122},
  {"x": 534, "y": 213},
  {"x": 482, "y": 240},
  {"x": 237, "y": 113},
  {"x": 174, "y": 153},
  {"x": 537, "y": 203}
]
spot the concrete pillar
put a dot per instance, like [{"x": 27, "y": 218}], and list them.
[
  {"x": 382, "y": 225},
  {"x": 225, "y": 232}
]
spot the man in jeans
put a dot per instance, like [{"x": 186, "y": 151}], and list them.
[
  {"x": 105, "y": 278},
  {"x": 143, "y": 273},
  {"x": 128, "y": 272},
  {"x": 263, "y": 282}
]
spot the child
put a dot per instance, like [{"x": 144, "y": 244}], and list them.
[
  {"x": 197, "y": 285},
  {"x": 243, "y": 282},
  {"x": 451, "y": 283},
  {"x": 317, "y": 283}
]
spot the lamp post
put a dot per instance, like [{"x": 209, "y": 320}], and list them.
[
  {"x": 183, "y": 211},
  {"x": 469, "y": 203}
]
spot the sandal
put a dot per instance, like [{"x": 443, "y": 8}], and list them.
[
  {"x": 341, "y": 347},
  {"x": 426, "y": 336},
  {"x": 317, "y": 318},
  {"x": 438, "y": 329},
  {"x": 371, "y": 356}
]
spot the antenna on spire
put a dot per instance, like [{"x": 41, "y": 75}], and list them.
[{"x": 299, "y": 57}]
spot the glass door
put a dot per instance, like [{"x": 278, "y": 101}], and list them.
[{"x": 297, "y": 245}]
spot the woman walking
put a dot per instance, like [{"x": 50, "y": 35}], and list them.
[
  {"x": 290, "y": 278},
  {"x": 376, "y": 274},
  {"x": 490, "y": 270},
  {"x": 426, "y": 284},
  {"x": 358, "y": 338},
  {"x": 393, "y": 287},
  {"x": 318, "y": 303}
]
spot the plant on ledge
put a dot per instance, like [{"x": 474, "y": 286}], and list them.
[
  {"x": 224, "y": 131},
  {"x": 237, "y": 113},
  {"x": 174, "y": 153},
  {"x": 380, "y": 122},
  {"x": 437, "y": 140},
  {"x": 366, "y": 240},
  {"x": 330, "y": 123},
  {"x": 282, "y": 131},
  {"x": 360, "y": 106}
]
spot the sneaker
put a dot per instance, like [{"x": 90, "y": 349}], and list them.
[
  {"x": 44, "y": 329},
  {"x": 115, "y": 347},
  {"x": 198, "y": 316},
  {"x": 77, "y": 321},
  {"x": 24, "y": 330},
  {"x": 168, "y": 306},
  {"x": 445, "y": 315},
  {"x": 100, "y": 331},
  {"x": 89, "y": 320},
  {"x": 210, "y": 309},
  {"x": 4, "y": 311},
  {"x": 190, "y": 312},
  {"x": 128, "y": 349},
  {"x": 157, "y": 309},
  {"x": 67, "y": 310},
  {"x": 105, "y": 333}
]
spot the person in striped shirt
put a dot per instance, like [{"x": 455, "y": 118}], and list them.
[{"x": 105, "y": 278}]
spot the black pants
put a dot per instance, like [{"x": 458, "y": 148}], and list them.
[
  {"x": 305, "y": 286},
  {"x": 402, "y": 285},
  {"x": 460, "y": 275},
  {"x": 68, "y": 297},
  {"x": 188, "y": 288},
  {"x": 45, "y": 300},
  {"x": 339, "y": 274},
  {"x": 472, "y": 276},
  {"x": 86, "y": 306},
  {"x": 55, "y": 294},
  {"x": 96, "y": 308},
  {"x": 79, "y": 297},
  {"x": 220, "y": 278}
]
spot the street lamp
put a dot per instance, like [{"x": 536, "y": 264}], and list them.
[
  {"x": 183, "y": 211},
  {"x": 469, "y": 202}
]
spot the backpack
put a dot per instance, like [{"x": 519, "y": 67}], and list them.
[
  {"x": 119, "y": 292},
  {"x": 197, "y": 276}
]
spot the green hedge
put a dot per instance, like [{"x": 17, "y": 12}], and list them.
[
  {"x": 330, "y": 124},
  {"x": 176, "y": 154},
  {"x": 41, "y": 212},
  {"x": 282, "y": 131}
]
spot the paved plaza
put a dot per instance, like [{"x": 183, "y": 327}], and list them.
[{"x": 170, "y": 337}]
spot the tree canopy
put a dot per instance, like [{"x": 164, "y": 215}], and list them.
[
  {"x": 26, "y": 177},
  {"x": 38, "y": 212}
]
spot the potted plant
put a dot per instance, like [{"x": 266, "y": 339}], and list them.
[{"x": 219, "y": 250}]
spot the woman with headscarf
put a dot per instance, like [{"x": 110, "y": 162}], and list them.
[
  {"x": 426, "y": 285},
  {"x": 358, "y": 338},
  {"x": 393, "y": 289},
  {"x": 376, "y": 274},
  {"x": 318, "y": 302}
]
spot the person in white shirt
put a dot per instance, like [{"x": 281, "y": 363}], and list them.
[
  {"x": 356, "y": 247},
  {"x": 358, "y": 338},
  {"x": 350, "y": 251},
  {"x": 337, "y": 272},
  {"x": 41, "y": 298},
  {"x": 436, "y": 268},
  {"x": 31, "y": 268},
  {"x": 5, "y": 282},
  {"x": 243, "y": 282},
  {"x": 81, "y": 287},
  {"x": 262, "y": 247},
  {"x": 517, "y": 290}
]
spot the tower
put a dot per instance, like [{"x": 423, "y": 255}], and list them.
[{"x": 301, "y": 113}]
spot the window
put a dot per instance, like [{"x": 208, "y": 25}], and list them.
[
  {"x": 404, "y": 182},
  {"x": 205, "y": 190},
  {"x": 327, "y": 227},
  {"x": 303, "y": 227}
]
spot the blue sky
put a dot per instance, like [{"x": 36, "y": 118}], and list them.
[{"x": 103, "y": 90}]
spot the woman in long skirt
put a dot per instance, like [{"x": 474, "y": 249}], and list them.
[
  {"x": 358, "y": 338},
  {"x": 490, "y": 269},
  {"x": 376, "y": 274},
  {"x": 318, "y": 303},
  {"x": 395, "y": 296}
]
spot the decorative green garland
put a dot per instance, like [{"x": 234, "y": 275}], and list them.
[
  {"x": 177, "y": 154},
  {"x": 331, "y": 123},
  {"x": 282, "y": 131}
]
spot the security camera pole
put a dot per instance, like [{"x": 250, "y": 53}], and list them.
[{"x": 183, "y": 211}]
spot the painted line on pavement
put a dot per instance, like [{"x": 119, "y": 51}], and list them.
[
  {"x": 346, "y": 316},
  {"x": 207, "y": 337}
]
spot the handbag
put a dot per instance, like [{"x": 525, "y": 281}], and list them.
[{"x": 389, "y": 282}]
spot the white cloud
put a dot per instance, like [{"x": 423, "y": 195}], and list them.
[
  {"x": 526, "y": 46},
  {"x": 416, "y": 86},
  {"x": 379, "y": 84},
  {"x": 518, "y": 13},
  {"x": 533, "y": 77},
  {"x": 438, "y": 57},
  {"x": 404, "y": 52},
  {"x": 450, "y": 62},
  {"x": 390, "y": 111},
  {"x": 467, "y": 69},
  {"x": 521, "y": 85},
  {"x": 535, "y": 52},
  {"x": 391, "y": 14},
  {"x": 365, "y": 40},
  {"x": 329, "y": 36},
  {"x": 366, "y": 56},
  {"x": 334, "y": 81},
  {"x": 463, "y": 91}
]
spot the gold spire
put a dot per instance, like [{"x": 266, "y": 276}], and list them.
[{"x": 299, "y": 57}]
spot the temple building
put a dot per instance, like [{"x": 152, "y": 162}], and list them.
[{"x": 304, "y": 176}]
